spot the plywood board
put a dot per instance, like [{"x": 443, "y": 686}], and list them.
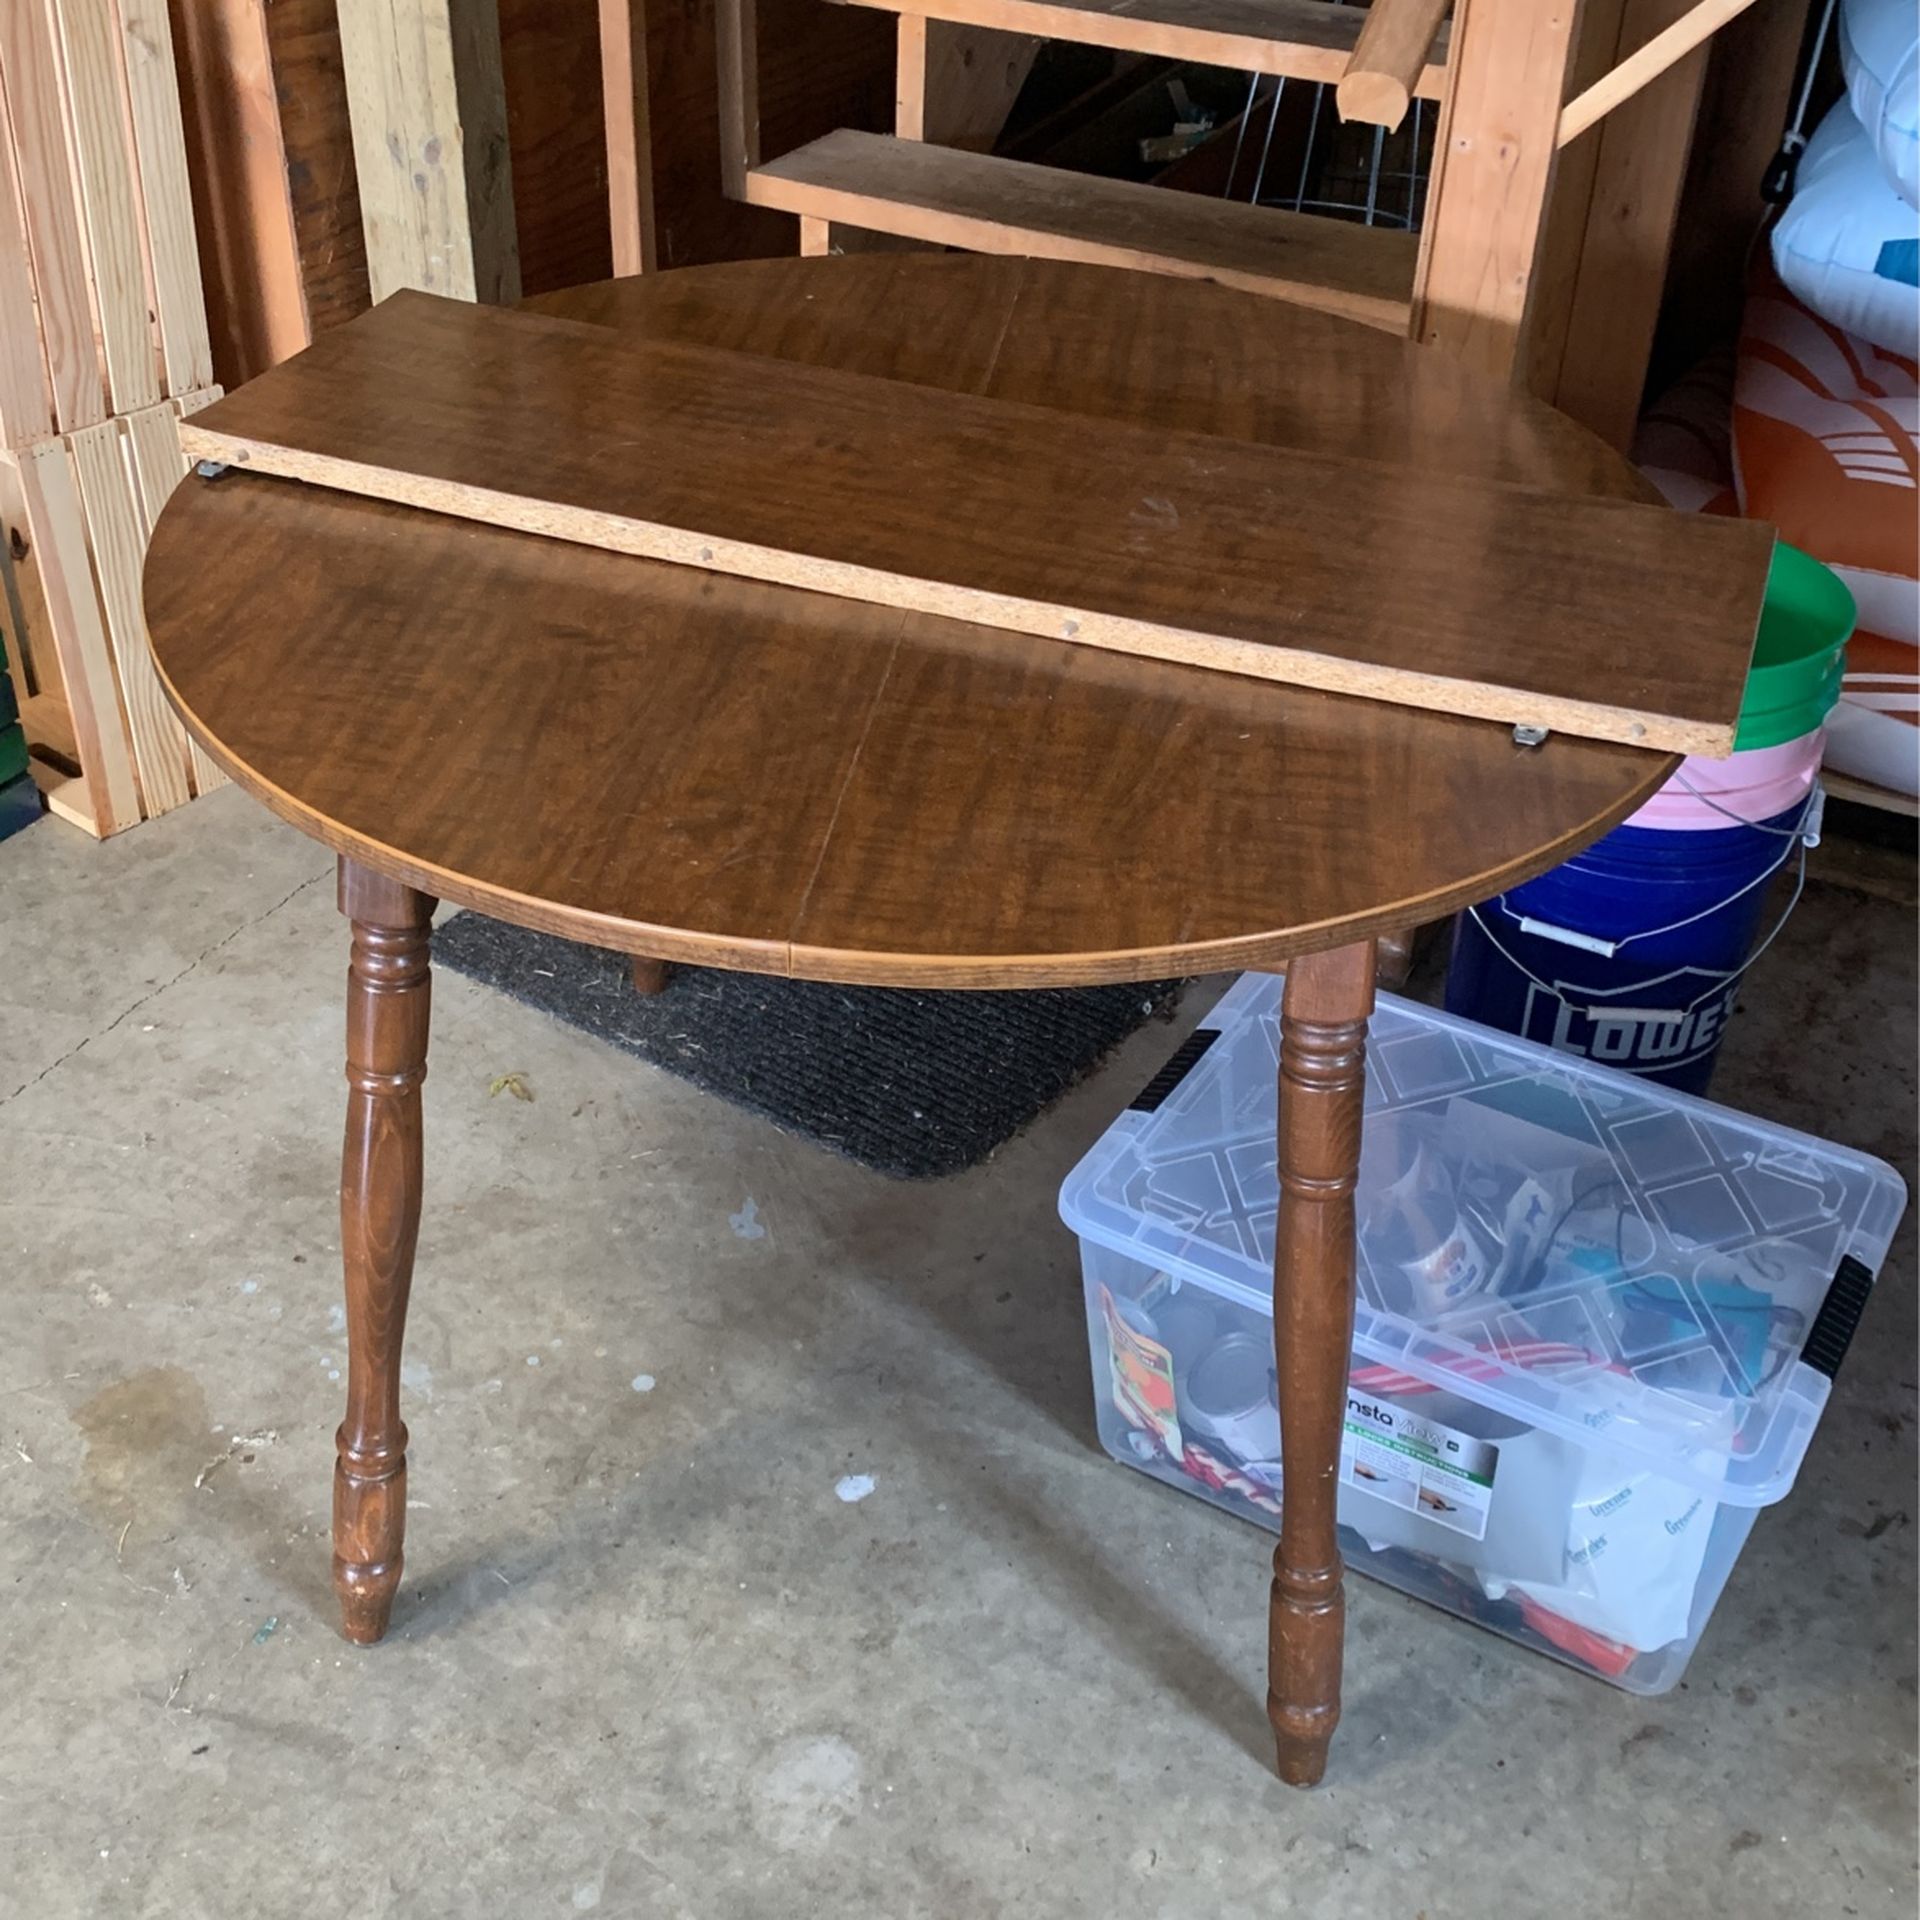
[{"x": 1604, "y": 618}]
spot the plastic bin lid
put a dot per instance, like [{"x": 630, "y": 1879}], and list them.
[{"x": 1578, "y": 1249}]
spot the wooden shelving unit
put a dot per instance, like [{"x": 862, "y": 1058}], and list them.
[
  {"x": 1514, "y": 245},
  {"x": 1863, "y": 793},
  {"x": 951, "y": 197}
]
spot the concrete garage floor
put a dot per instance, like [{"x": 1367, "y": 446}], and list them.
[{"x": 645, "y": 1662}]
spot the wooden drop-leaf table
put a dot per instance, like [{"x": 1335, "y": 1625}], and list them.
[{"x": 688, "y": 767}]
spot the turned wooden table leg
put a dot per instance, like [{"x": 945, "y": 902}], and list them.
[
  {"x": 380, "y": 1179},
  {"x": 1323, "y": 1039}
]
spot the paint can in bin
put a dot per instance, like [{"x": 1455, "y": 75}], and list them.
[
  {"x": 1632, "y": 953},
  {"x": 1230, "y": 1398}
]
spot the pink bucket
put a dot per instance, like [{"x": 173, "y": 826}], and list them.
[{"x": 1707, "y": 795}]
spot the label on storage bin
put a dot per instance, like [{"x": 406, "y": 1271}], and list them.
[
  {"x": 1141, "y": 1375},
  {"x": 1443, "y": 1475}
]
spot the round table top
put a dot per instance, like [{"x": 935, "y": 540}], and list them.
[{"x": 693, "y": 767}]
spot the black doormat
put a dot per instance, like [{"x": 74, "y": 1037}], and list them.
[{"x": 911, "y": 1083}]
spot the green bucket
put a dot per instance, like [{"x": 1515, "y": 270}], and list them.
[{"x": 1799, "y": 653}]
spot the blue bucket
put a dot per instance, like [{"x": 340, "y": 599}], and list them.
[{"x": 1631, "y": 953}]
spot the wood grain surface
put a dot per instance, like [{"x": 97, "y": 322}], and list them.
[
  {"x": 1323, "y": 1074},
  {"x": 1667, "y": 47},
  {"x": 429, "y": 115},
  {"x": 159, "y": 140},
  {"x": 1303, "y": 39},
  {"x": 40, "y": 496},
  {"x": 389, "y": 994},
  {"x": 30, "y": 66},
  {"x": 556, "y": 126},
  {"x": 109, "y": 205},
  {"x": 1492, "y": 169},
  {"x": 956, "y": 85},
  {"x": 26, "y": 408},
  {"x": 677, "y": 764},
  {"x": 247, "y": 174},
  {"x": 819, "y": 68},
  {"x": 1601, "y": 618},
  {"x": 153, "y": 442},
  {"x": 991, "y": 204},
  {"x": 633, "y": 246},
  {"x": 104, "y": 478},
  {"x": 315, "y": 152},
  {"x": 1388, "y": 61},
  {"x": 1637, "y": 162},
  {"x": 1181, "y": 355}
]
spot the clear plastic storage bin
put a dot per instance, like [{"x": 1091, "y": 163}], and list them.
[{"x": 1597, "y": 1321}]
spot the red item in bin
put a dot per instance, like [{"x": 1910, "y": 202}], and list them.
[{"x": 1603, "y": 1656}]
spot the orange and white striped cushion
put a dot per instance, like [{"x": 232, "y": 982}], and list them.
[{"x": 1824, "y": 446}]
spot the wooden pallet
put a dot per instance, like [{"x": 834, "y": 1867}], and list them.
[
  {"x": 76, "y": 512},
  {"x": 103, "y": 346}
]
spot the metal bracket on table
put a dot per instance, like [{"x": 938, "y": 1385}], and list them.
[
  {"x": 211, "y": 469},
  {"x": 1525, "y": 736}
]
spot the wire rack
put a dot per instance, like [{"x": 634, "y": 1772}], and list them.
[{"x": 1291, "y": 149}]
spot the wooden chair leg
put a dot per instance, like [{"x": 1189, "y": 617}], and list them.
[
  {"x": 650, "y": 976},
  {"x": 388, "y": 990},
  {"x": 1394, "y": 956},
  {"x": 1323, "y": 1038}
]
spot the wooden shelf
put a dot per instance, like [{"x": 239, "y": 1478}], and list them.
[
  {"x": 992, "y": 205},
  {"x": 1863, "y": 793},
  {"x": 1302, "y": 39}
]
